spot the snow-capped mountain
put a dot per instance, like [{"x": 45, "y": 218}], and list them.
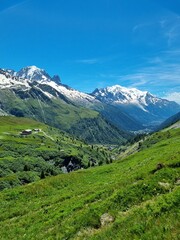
[
  {"x": 141, "y": 105},
  {"x": 43, "y": 99},
  {"x": 122, "y": 95},
  {"x": 51, "y": 89},
  {"x": 38, "y": 78},
  {"x": 33, "y": 73},
  {"x": 126, "y": 108}
]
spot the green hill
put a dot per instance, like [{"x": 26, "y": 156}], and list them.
[
  {"x": 61, "y": 113},
  {"x": 136, "y": 197},
  {"x": 27, "y": 158}
]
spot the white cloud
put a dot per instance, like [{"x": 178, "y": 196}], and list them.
[
  {"x": 160, "y": 73},
  {"x": 174, "y": 96},
  {"x": 173, "y": 34},
  {"x": 172, "y": 53},
  {"x": 155, "y": 60},
  {"x": 141, "y": 26},
  {"x": 171, "y": 29},
  {"x": 163, "y": 23},
  {"x": 13, "y": 7},
  {"x": 140, "y": 82},
  {"x": 88, "y": 61}
]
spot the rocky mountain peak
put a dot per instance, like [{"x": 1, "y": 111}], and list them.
[
  {"x": 33, "y": 73},
  {"x": 56, "y": 79}
]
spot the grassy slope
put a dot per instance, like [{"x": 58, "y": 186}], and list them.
[
  {"x": 143, "y": 200},
  {"x": 22, "y": 159}
]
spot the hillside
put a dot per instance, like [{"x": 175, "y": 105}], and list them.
[
  {"x": 60, "y": 113},
  {"x": 134, "y": 198},
  {"x": 117, "y": 117},
  {"x": 27, "y": 158},
  {"x": 170, "y": 121}
]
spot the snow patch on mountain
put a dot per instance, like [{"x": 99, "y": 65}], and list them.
[
  {"x": 8, "y": 81},
  {"x": 3, "y": 113},
  {"x": 72, "y": 94}
]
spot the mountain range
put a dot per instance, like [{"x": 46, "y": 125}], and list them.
[
  {"x": 51, "y": 103},
  {"x": 144, "y": 107},
  {"x": 105, "y": 115}
]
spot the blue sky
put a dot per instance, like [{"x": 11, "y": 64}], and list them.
[{"x": 96, "y": 43}]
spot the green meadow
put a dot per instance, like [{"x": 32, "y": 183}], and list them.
[
  {"x": 136, "y": 197},
  {"x": 28, "y": 158}
]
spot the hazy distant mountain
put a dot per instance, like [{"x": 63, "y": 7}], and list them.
[{"x": 170, "y": 121}]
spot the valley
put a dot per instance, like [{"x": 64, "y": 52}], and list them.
[
  {"x": 78, "y": 166},
  {"x": 90, "y": 120},
  {"x": 41, "y": 151},
  {"x": 133, "y": 197},
  {"x": 117, "y": 109}
]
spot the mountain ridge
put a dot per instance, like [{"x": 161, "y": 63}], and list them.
[
  {"x": 126, "y": 108},
  {"x": 122, "y": 95},
  {"x": 141, "y": 105},
  {"x": 46, "y": 103}
]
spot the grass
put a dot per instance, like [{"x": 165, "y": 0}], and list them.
[
  {"x": 26, "y": 158},
  {"x": 141, "y": 198}
]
